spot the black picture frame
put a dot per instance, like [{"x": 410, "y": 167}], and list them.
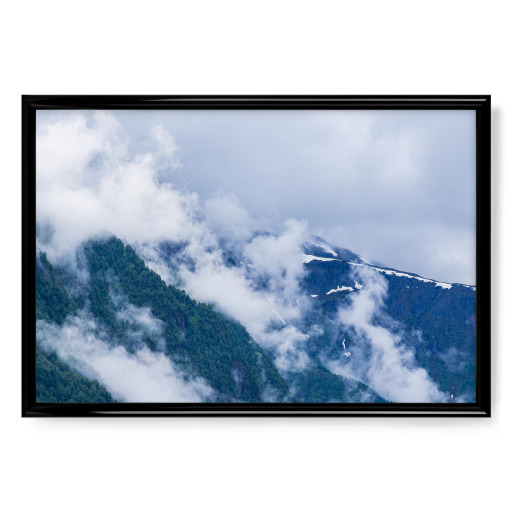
[{"x": 481, "y": 104}]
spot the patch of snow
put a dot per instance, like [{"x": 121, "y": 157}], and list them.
[
  {"x": 308, "y": 258},
  {"x": 280, "y": 317},
  {"x": 346, "y": 354},
  {"x": 340, "y": 289},
  {"x": 274, "y": 310},
  {"x": 357, "y": 286},
  {"x": 364, "y": 260},
  {"x": 325, "y": 247},
  {"x": 388, "y": 272},
  {"x": 314, "y": 295}
]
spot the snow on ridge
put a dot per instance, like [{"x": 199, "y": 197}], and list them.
[
  {"x": 325, "y": 247},
  {"x": 388, "y": 272},
  {"x": 340, "y": 289},
  {"x": 308, "y": 258}
]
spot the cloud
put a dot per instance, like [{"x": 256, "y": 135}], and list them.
[
  {"x": 377, "y": 356},
  {"x": 109, "y": 189},
  {"x": 454, "y": 359},
  {"x": 88, "y": 183},
  {"x": 225, "y": 215},
  {"x": 166, "y": 156},
  {"x": 141, "y": 318},
  {"x": 279, "y": 258},
  {"x": 433, "y": 250},
  {"x": 288, "y": 345},
  {"x": 402, "y": 173},
  {"x": 395, "y": 186},
  {"x": 266, "y": 310},
  {"x": 142, "y": 376},
  {"x": 143, "y": 325}
]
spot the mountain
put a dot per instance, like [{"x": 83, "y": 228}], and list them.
[
  {"x": 320, "y": 248},
  {"x": 199, "y": 340},
  {"x": 435, "y": 320},
  {"x": 433, "y": 323},
  {"x": 145, "y": 334},
  {"x": 56, "y": 381}
]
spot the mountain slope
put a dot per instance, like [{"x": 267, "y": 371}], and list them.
[
  {"x": 57, "y": 382},
  {"x": 430, "y": 325},
  {"x": 434, "y": 320},
  {"x": 197, "y": 338}
]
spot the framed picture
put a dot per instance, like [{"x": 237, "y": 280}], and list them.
[{"x": 256, "y": 255}]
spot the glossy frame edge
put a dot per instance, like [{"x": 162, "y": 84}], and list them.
[{"x": 481, "y": 104}]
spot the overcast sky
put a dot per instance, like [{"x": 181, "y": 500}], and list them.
[{"x": 397, "y": 187}]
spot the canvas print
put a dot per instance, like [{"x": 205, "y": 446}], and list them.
[{"x": 255, "y": 256}]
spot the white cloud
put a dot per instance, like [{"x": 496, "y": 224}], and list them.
[
  {"x": 143, "y": 376},
  {"x": 88, "y": 183},
  {"x": 142, "y": 318},
  {"x": 432, "y": 250},
  {"x": 377, "y": 356},
  {"x": 167, "y": 154},
  {"x": 228, "y": 218},
  {"x": 277, "y": 261},
  {"x": 280, "y": 258},
  {"x": 106, "y": 189},
  {"x": 397, "y": 172}
]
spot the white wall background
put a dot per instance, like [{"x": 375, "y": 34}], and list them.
[{"x": 227, "y": 47}]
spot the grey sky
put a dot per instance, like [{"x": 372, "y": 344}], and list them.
[{"x": 397, "y": 187}]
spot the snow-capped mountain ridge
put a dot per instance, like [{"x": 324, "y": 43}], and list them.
[
  {"x": 326, "y": 253},
  {"x": 432, "y": 321},
  {"x": 318, "y": 247}
]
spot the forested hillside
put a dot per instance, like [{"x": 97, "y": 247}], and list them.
[
  {"x": 209, "y": 345},
  {"x": 202, "y": 342},
  {"x": 129, "y": 308},
  {"x": 55, "y": 380}
]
